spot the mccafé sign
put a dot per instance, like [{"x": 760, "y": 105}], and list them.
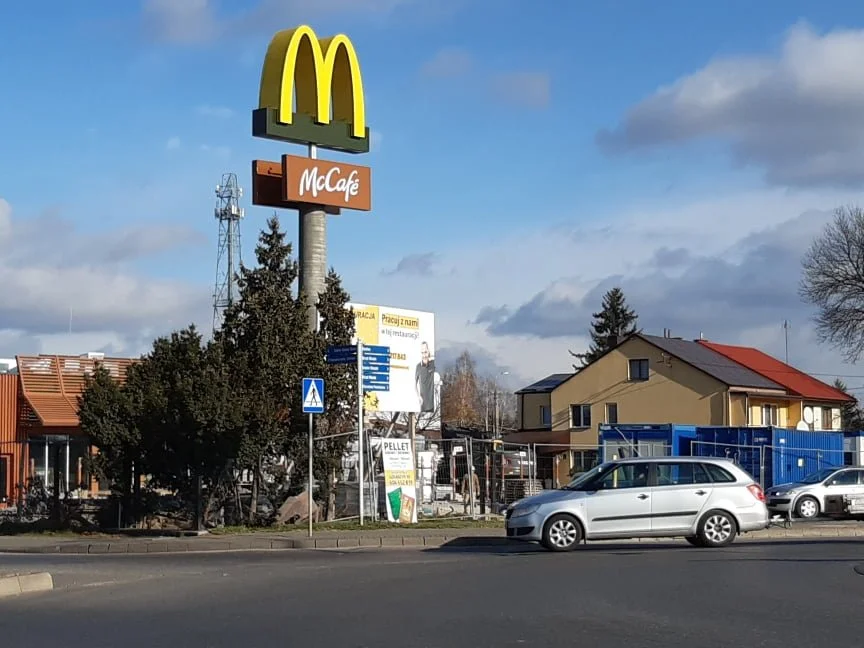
[{"x": 322, "y": 182}]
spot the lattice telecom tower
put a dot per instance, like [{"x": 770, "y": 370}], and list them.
[{"x": 229, "y": 213}]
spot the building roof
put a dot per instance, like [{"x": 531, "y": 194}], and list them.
[
  {"x": 547, "y": 385},
  {"x": 791, "y": 378},
  {"x": 51, "y": 385},
  {"x": 727, "y": 370}
]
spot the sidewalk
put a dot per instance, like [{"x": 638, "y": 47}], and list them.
[{"x": 344, "y": 539}]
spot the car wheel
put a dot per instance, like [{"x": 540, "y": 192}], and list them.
[
  {"x": 717, "y": 529},
  {"x": 561, "y": 533},
  {"x": 807, "y": 508},
  {"x": 694, "y": 540}
]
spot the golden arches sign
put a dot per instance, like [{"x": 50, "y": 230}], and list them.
[{"x": 324, "y": 76}]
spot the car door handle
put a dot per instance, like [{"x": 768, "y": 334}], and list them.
[
  {"x": 642, "y": 496},
  {"x": 700, "y": 492}
]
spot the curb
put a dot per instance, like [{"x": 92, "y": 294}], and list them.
[
  {"x": 211, "y": 544},
  {"x": 25, "y": 583}
]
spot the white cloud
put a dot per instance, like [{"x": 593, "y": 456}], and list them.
[
  {"x": 173, "y": 143},
  {"x": 51, "y": 273},
  {"x": 724, "y": 265},
  {"x": 190, "y": 22},
  {"x": 799, "y": 114},
  {"x": 181, "y": 21}
]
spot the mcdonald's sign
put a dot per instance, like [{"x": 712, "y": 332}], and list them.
[{"x": 312, "y": 92}]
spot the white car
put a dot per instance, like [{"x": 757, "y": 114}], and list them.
[{"x": 707, "y": 501}]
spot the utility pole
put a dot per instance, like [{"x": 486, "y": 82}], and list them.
[{"x": 786, "y": 338}]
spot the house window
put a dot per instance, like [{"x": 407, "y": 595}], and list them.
[
  {"x": 769, "y": 415},
  {"x": 580, "y": 416},
  {"x": 826, "y": 418},
  {"x": 612, "y": 413},
  {"x": 639, "y": 369},
  {"x": 545, "y": 415}
]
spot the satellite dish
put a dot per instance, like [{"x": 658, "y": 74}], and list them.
[
  {"x": 808, "y": 415},
  {"x": 804, "y": 427}
]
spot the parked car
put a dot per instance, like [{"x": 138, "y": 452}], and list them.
[
  {"x": 705, "y": 500},
  {"x": 806, "y": 498}
]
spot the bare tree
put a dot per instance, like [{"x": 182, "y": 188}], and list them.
[
  {"x": 833, "y": 281},
  {"x": 460, "y": 395}
]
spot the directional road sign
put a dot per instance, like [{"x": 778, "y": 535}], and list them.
[
  {"x": 313, "y": 395},
  {"x": 376, "y": 367},
  {"x": 373, "y": 349},
  {"x": 376, "y": 386},
  {"x": 376, "y": 376},
  {"x": 345, "y": 354}
]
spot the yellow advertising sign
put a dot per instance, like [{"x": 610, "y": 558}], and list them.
[{"x": 323, "y": 75}]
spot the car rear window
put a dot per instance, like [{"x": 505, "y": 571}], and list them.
[{"x": 719, "y": 474}]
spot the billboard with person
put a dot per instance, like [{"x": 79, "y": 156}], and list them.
[{"x": 410, "y": 334}]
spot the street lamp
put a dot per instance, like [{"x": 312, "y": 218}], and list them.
[{"x": 496, "y": 423}]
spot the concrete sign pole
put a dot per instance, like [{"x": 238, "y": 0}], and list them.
[{"x": 312, "y": 254}]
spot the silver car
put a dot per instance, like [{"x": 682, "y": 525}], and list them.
[
  {"x": 707, "y": 501},
  {"x": 806, "y": 498}
]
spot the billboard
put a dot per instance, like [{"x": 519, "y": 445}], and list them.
[{"x": 410, "y": 334}]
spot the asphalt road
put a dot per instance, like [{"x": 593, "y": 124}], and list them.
[{"x": 754, "y": 594}]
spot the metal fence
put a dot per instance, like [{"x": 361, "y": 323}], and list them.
[{"x": 772, "y": 465}]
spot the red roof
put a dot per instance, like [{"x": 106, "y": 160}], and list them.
[{"x": 783, "y": 374}]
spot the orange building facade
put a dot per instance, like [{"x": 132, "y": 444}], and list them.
[{"x": 40, "y": 434}]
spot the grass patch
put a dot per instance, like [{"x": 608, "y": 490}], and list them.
[{"x": 354, "y": 525}]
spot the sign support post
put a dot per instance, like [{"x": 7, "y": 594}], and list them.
[
  {"x": 360, "y": 431},
  {"x": 311, "y": 424},
  {"x": 312, "y": 396}
]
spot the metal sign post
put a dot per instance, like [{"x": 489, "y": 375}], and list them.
[
  {"x": 360, "y": 462},
  {"x": 313, "y": 403},
  {"x": 373, "y": 375}
]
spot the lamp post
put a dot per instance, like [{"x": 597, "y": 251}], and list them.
[{"x": 496, "y": 422}]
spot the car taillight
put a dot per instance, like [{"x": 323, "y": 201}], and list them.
[{"x": 756, "y": 491}]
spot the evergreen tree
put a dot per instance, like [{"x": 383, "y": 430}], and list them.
[
  {"x": 851, "y": 416},
  {"x": 109, "y": 419},
  {"x": 615, "y": 320},
  {"x": 186, "y": 413},
  {"x": 340, "y": 383},
  {"x": 268, "y": 347}
]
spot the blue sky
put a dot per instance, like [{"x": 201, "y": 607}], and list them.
[{"x": 493, "y": 182}]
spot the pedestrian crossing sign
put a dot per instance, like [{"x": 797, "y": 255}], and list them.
[{"x": 313, "y": 395}]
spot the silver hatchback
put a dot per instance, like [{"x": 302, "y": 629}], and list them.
[
  {"x": 806, "y": 498},
  {"x": 707, "y": 501}
]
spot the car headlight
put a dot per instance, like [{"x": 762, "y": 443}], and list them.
[{"x": 524, "y": 510}]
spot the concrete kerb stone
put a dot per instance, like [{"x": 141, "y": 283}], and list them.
[
  {"x": 329, "y": 540},
  {"x": 25, "y": 584}
]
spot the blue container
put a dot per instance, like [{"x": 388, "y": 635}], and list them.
[
  {"x": 771, "y": 455},
  {"x": 797, "y": 453},
  {"x": 647, "y": 440}
]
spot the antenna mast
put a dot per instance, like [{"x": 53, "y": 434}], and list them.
[{"x": 229, "y": 213}]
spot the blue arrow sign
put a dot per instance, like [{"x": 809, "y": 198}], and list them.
[
  {"x": 345, "y": 349},
  {"x": 377, "y": 359},
  {"x": 344, "y": 354},
  {"x": 375, "y": 377},
  {"x": 313, "y": 395},
  {"x": 376, "y": 350},
  {"x": 375, "y": 365},
  {"x": 376, "y": 387}
]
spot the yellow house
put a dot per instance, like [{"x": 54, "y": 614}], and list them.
[
  {"x": 646, "y": 379},
  {"x": 652, "y": 379}
]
